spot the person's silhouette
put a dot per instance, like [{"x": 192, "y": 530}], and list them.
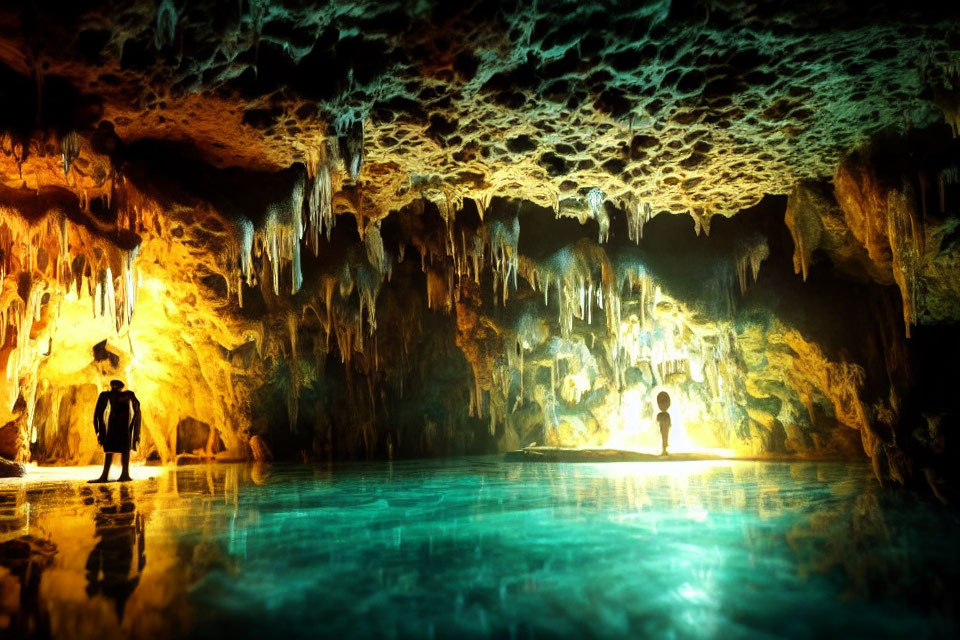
[
  {"x": 120, "y": 535},
  {"x": 121, "y": 432},
  {"x": 663, "y": 419}
]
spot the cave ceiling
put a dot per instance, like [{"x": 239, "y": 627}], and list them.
[{"x": 699, "y": 107}]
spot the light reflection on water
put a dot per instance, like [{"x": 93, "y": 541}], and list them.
[{"x": 477, "y": 547}]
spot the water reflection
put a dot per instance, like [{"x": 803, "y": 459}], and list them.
[
  {"x": 474, "y": 548},
  {"x": 119, "y": 535}
]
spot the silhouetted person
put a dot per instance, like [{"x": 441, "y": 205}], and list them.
[
  {"x": 121, "y": 432},
  {"x": 119, "y": 532},
  {"x": 663, "y": 419}
]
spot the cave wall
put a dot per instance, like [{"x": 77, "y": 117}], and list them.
[
  {"x": 889, "y": 220},
  {"x": 490, "y": 333}
]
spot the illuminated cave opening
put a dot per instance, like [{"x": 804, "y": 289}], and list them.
[{"x": 363, "y": 264}]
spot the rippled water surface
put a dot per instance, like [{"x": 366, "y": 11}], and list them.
[{"x": 478, "y": 548}]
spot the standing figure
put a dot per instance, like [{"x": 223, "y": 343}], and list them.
[
  {"x": 121, "y": 432},
  {"x": 663, "y": 419}
]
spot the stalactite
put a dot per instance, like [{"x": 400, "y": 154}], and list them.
[
  {"x": 166, "y": 24},
  {"x": 439, "y": 289},
  {"x": 752, "y": 257},
  {"x": 373, "y": 243},
  {"x": 638, "y": 214},
  {"x": 906, "y": 235},
  {"x": 247, "y": 275},
  {"x": 574, "y": 270},
  {"x": 596, "y": 199},
  {"x": 502, "y": 237},
  {"x": 320, "y": 207},
  {"x": 349, "y": 128},
  {"x": 129, "y": 281},
  {"x": 280, "y": 239},
  {"x": 69, "y": 151}
]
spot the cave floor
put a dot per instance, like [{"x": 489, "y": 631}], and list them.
[
  {"x": 44, "y": 474},
  {"x": 476, "y": 548}
]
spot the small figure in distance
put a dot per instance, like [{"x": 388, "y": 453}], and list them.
[
  {"x": 121, "y": 432},
  {"x": 663, "y": 419}
]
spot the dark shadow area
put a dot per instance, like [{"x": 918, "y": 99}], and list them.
[
  {"x": 174, "y": 173},
  {"x": 406, "y": 394},
  {"x": 57, "y": 106}
]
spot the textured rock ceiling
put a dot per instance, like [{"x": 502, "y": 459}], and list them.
[{"x": 688, "y": 106}]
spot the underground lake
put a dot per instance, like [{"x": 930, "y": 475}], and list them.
[{"x": 480, "y": 548}]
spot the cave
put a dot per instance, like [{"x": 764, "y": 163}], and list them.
[{"x": 483, "y": 319}]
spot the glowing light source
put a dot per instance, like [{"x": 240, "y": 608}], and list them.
[
  {"x": 36, "y": 473},
  {"x": 637, "y": 430}
]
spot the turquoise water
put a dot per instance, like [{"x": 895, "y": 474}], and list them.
[{"x": 480, "y": 548}]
